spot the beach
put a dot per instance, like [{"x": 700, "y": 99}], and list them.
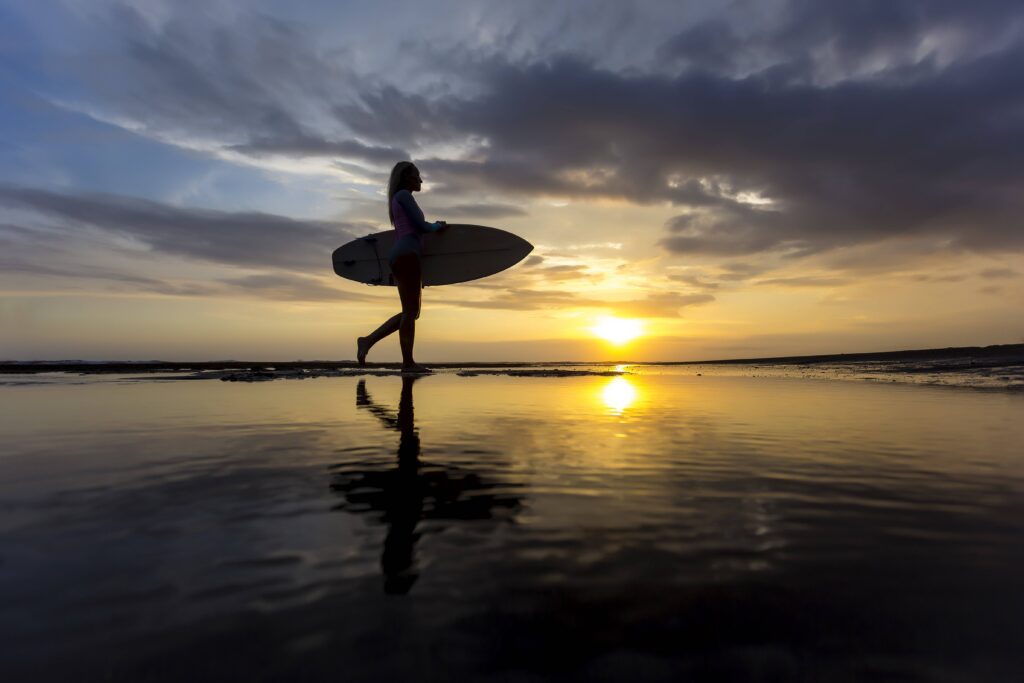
[{"x": 644, "y": 522}]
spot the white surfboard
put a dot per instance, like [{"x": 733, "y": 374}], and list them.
[{"x": 459, "y": 254}]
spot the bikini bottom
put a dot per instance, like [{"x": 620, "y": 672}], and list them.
[{"x": 406, "y": 244}]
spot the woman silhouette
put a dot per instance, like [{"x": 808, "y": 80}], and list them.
[{"x": 407, "y": 218}]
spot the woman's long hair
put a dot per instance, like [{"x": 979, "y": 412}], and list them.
[{"x": 395, "y": 184}]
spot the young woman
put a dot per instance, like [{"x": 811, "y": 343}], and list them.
[{"x": 407, "y": 218}]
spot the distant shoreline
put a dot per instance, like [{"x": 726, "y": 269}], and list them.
[{"x": 996, "y": 355}]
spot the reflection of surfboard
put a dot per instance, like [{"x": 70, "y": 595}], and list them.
[{"x": 459, "y": 254}]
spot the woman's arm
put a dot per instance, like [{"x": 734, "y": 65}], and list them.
[{"x": 415, "y": 214}]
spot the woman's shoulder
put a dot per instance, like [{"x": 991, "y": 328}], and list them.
[{"x": 403, "y": 194}]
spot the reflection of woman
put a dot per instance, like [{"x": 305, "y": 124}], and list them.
[
  {"x": 406, "y": 216},
  {"x": 414, "y": 490},
  {"x": 406, "y": 501}
]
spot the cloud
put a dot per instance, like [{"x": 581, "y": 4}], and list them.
[
  {"x": 266, "y": 286},
  {"x": 805, "y": 281},
  {"x": 929, "y": 277},
  {"x": 255, "y": 82},
  {"x": 532, "y": 274},
  {"x": 312, "y": 146},
  {"x": 293, "y": 287},
  {"x": 523, "y": 299},
  {"x": 484, "y": 211},
  {"x": 727, "y": 231},
  {"x": 998, "y": 273},
  {"x": 825, "y": 41},
  {"x": 713, "y": 45},
  {"x": 693, "y": 280},
  {"x": 899, "y": 254},
  {"x": 244, "y": 238},
  {"x": 760, "y": 163},
  {"x": 665, "y": 305},
  {"x": 738, "y": 271},
  {"x": 82, "y": 272},
  {"x": 823, "y": 126},
  {"x": 383, "y": 111},
  {"x": 562, "y": 272}
]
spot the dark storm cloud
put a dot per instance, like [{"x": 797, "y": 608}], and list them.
[{"x": 235, "y": 238}]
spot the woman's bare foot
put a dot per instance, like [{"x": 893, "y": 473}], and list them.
[
  {"x": 415, "y": 368},
  {"x": 362, "y": 348}
]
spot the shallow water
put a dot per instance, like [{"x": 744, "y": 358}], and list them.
[{"x": 656, "y": 525}]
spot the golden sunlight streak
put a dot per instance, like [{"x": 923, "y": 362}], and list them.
[
  {"x": 618, "y": 330},
  {"x": 618, "y": 395}
]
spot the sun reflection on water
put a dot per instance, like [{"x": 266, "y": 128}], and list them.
[{"x": 618, "y": 395}]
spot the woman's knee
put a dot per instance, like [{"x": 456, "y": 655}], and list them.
[{"x": 411, "y": 303}]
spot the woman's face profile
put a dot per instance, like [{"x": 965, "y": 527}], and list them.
[{"x": 412, "y": 179}]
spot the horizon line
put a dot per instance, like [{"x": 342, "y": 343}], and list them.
[{"x": 904, "y": 354}]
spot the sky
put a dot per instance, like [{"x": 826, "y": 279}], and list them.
[{"x": 738, "y": 179}]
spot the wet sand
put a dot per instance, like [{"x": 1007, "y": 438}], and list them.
[{"x": 650, "y": 525}]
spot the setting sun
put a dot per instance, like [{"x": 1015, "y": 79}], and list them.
[{"x": 618, "y": 330}]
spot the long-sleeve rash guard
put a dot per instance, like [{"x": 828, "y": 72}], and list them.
[{"x": 408, "y": 216}]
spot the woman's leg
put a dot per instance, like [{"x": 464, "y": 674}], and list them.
[
  {"x": 364, "y": 344},
  {"x": 408, "y": 275}
]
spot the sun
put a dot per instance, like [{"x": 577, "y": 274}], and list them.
[{"x": 618, "y": 330}]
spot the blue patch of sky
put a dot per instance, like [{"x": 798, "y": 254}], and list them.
[
  {"x": 44, "y": 144},
  {"x": 48, "y": 146}
]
